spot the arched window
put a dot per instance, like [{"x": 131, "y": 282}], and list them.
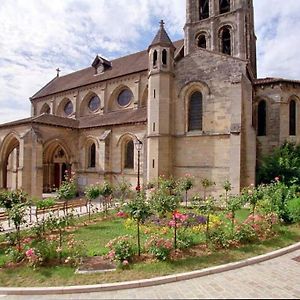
[
  {"x": 262, "y": 118},
  {"x": 154, "y": 58},
  {"x": 125, "y": 97},
  {"x": 224, "y": 6},
  {"x": 45, "y": 109},
  {"x": 94, "y": 103},
  {"x": 203, "y": 9},
  {"x": 68, "y": 108},
  {"x": 164, "y": 57},
  {"x": 226, "y": 41},
  {"x": 129, "y": 155},
  {"x": 202, "y": 41},
  {"x": 293, "y": 117},
  {"x": 195, "y": 112},
  {"x": 92, "y": 156}
]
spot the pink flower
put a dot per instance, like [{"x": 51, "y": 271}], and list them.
[
  {"x": 277, "y": 178},
  {"x": 121, "y": 214},
  {"x": 30, "y": 252},
  {"x": 125, "y": 262}
]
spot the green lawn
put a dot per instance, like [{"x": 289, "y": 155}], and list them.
[{"x": 96, "y": 235}]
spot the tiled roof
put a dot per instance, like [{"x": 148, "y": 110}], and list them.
[
  {"x": 271, "y": 80},
  {"x": 130, "y": 64},
  {"x": 127, "y": 116}
]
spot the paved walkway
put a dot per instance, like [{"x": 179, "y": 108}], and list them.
[{"x": 278, "y": 278}]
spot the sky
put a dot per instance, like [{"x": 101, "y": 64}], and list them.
[{"x": 38, "y": 36}]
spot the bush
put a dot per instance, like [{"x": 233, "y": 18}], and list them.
[
  {"x": 121, "y": 249},
  {"x": 45, "y": 203},
  {"x": 159, "y": 247},
  {"x": 284, "y": 163},
  {"x": 293, "y": 207},
  {"x": 92, "y": 192},
  {"x": 245, "y": 233}
]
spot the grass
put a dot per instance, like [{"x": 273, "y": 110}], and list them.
[{"x": 97, "y": 234}]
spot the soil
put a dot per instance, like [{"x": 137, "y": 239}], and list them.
[{"x": 96, "y": 263}]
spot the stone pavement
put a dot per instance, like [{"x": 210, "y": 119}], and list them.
[{"x": 277, "y": 278}]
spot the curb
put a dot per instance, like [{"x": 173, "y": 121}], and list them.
[{"x": 149, "y": 282}]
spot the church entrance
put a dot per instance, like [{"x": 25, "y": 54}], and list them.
[
  {"x": 10, "y": 164},
  {"x": 56, "y": 167}
]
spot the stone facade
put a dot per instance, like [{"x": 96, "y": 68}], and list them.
[{"x": 194, "y": 104}]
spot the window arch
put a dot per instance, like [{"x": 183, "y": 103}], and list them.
[
  {"x": 292, "y": 129},
  {"x": 224, "y": 6},
  {"x": 125, "y": 97},
  {"x": 92, "y": 156},
  {"x": 225, "y": 36},
  {"x": 45, "y": 109},
  {"x": 154, "y": 58},
  {"x": 94, "y": 103},
  {"x": 164, "y": 58},
  {"x": 203, "y": 9},
  {"x": 129, "y": 155},
  {"x": 262, "y": 118},
  {"x": 195, "y": 112},
  {"x": 202, "y": 41}
]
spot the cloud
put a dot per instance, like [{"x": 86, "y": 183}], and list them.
[{"x": 37, "y": 36}]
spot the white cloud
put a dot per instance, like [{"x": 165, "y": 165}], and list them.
[{"x": 37, "y": 36}]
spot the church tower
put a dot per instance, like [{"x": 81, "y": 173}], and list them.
[
  {"x": 225, "y": 26},
  {"x": 160, "y": 86}
]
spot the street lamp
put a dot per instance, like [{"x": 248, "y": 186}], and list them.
[{"x": 139, "y": 147}]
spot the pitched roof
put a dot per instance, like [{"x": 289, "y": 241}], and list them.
[
  {"x": 162, "y": 37},
  {"x": 126, "y": 65},
  {"x": 272, "y": 80},
  {"x": 127, "y": 116}
]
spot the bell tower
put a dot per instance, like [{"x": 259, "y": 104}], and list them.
[
  {"x": 225, "y": 26},
  {"x": 160, "y": 86}
]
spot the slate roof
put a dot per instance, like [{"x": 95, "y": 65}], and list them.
[
  {"x": 162, "y": 37},
  {"x": 272, "y": 80},
  {"x": 127, "y": 116},
  {"x": 126, "y": 65}
]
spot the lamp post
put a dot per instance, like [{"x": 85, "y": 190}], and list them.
[{"x": 139, "y": 147}]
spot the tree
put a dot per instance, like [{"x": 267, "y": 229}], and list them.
[
  {"x": 283, "y": 163},
  {"x": 139, "y": 210}
]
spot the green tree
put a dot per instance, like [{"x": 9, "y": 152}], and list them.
[
  {"x": 139, "y": 210},
  {"x": 283, "y": 163}
]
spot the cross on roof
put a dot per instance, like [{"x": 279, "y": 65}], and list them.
[
  {"x": 58, "y": 71},
  {"x": 162, "y": 23}
]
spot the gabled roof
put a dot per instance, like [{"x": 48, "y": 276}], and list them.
[{"x": 134, "y": 63}]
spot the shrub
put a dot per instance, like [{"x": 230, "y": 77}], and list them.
[
  {"x": 92, "y": 192},
  {"x": 219, "y": 237},
  {"x": 121, "y": 248},
  {"x": 245, "y": 233},
  {"x": 159, "y": 247},
  {"x": 45, "y": 203},
  {"x": 68, "y": 188},
  {"x": 284, "y": 163},
  {"x": 293, "y": 207}
]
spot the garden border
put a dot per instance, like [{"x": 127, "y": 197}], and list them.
[{"x": 149, "y": 282}]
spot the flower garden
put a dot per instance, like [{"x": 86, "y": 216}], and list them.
[
  {"x": 149, "y": 233},
  {"x": 162, "y": 229}
]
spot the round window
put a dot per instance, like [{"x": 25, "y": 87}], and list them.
[
  {"x": 94, "y": 103},
  {"x": 125, "y": 97},
  {"x": 68, "y": 108}
]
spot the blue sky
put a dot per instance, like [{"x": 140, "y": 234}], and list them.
[{"x": 37, "y": 36}]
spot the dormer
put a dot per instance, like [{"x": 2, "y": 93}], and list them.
[{"x": 100, "y": 65}]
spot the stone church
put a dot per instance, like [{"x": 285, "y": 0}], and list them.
[{"x": 190, "y": 106}]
